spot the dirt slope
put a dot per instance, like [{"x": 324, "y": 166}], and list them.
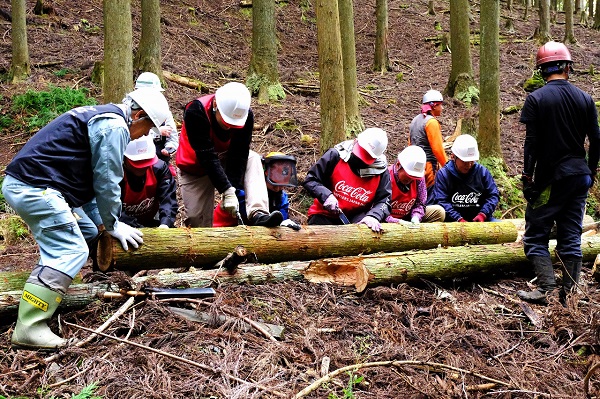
[{"x": 464, "y": 324}]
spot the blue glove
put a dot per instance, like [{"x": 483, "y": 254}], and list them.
[{"x": 372, "y": 223}]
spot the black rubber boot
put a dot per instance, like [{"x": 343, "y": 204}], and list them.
[
  {"x": 544, "y": 271},
  {"x": 570, "y": 278},
  {"x": 260, "y": 218}
]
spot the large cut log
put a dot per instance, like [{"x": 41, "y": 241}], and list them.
[
  {"x": 183, "y": 247},
  {"x": 411, "y": 267}
]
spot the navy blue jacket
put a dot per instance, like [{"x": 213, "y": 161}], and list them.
[{"x": 465, "y": 195}]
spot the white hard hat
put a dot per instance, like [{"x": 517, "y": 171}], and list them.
[
  {"x": 153, "y": 103},
  {"x": 465, "y": 148},
  {"x": 432, "y": 96},
  {"x": 141, "y": 151},
  {"x": 148, "y": 79},
  {"x": 373, "y": 141},
  {"x": 413, "y": 160},
  {"x": 233, "y": 102}
]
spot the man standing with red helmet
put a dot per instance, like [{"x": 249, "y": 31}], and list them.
[{"x": 556, "y": 175}]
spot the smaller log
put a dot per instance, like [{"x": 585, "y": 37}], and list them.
[{"x": 187, "y": 82}]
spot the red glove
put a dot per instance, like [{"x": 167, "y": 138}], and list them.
[
  {"x": 480, "y": 217},
  {"x": 462, "y": 220}
]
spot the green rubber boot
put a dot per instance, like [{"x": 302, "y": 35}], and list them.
[
  {"x": 42, "y": 295},
  {"x": 546, "y": 281}
]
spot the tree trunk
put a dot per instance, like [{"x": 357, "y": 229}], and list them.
[
  {"x": 148, "y": 57},
  {"x": 354, "y": 123},
  {"x": 263, "y": 75},
  {"x": 412, "y": 267},
  {"x": 597, "y": 15},
  {"x": 461, "y": 71},
  {"x": 489, "y": 81},
  {"x": 543, "y": 34},
  {"x": 182, "y": 247},
  {"x": 118, "y": 60},
  {"x": 591, "y": 10},
  {"x": 430, "y": 7},
  {"x": 19, "y": 68},
  {"x": 331, "y": 74},
  {"x": 569, "y": 32},
  {"x": 382, "y": 59}
]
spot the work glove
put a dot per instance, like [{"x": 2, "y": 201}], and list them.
[
  {"x": 480, "y": 217},
  {"x": 291, "y": 224},
  {"x": 163, "y": 226},
  {"x": 230, "y": 203},
  {"x": 372, "y": 223},
  {"x": 391, "y": 219},
  {"x": 331, "y": 204},
  {"x": 530, "y": 193},
  {"x": 415, "y": 220},
  {"x": 126, "y": 234},
  {"x": 462, "y": 220}
]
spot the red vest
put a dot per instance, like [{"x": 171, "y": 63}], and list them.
[
  {"x": 402, "y": 202},
  {"x": 186, "y": 156},
  {"x": 141, "y": 205},
  {"x": 354, "y": 193}
]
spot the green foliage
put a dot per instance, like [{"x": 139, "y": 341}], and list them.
[
  {"x": 86, "y": 393},
  {"x": 399, "y": 77},
  {"x": 286, "y": 124},
  {"x": 61, "y": 73},
  {"x": 534, "y": 82},
  {"x": 276, "y": 92},
  {"x": 40, "y": 107},
  {"x": 246, "y": 12},
  {"x": 512, "y": 204},
  {"x": 469, "y": 96},
  {"x": 305, "y": 7},
  {"x": 348, "y": 392}
]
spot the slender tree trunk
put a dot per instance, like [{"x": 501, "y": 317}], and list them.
[
  {"x": 543, "y": 34},
  {"x": 489, "y": 80},
  {"x": 354, "y": 123},
  {"x": 382, "y": 60},
  {"x": 148, "y": 57},
  {"x": 461, "y": 72},
  {"x": 590, "y": 10},
  {"x": 19, "y": 68},
  {"x": 526, "y": 11},
  {"x": 331, "y": 74},
  {"x": 597, "y": 15},
  {"x": 430, "y": 7},
  {"x": 118, "y": 55},
  {"x": 569, "y": 32},
  {"x": 263, "y": 76},
  {"x": 509, "y": 5}
]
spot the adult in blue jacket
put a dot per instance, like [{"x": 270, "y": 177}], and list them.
[
  {"x": 75, "y": 159},
  {"x": 464, "y": 188}
]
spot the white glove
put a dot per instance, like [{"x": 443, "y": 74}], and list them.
[
  {"x": 415, "y": 220},
  {"x": 163, "y": 226},
  {"x": 230, "y": 203},
  {"x": 126, "y": 234},
  {"x": 331, "y": 204},
  {"x": 372, "y": 223},
  {"x": 291, "y": 224}
]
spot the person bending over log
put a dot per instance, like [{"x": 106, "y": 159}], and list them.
[
  {"x": 464, "y": 188},
  {"x": 350, "y": 183},
  {"x": 409, "y": 190},
  {"x": 75, "y": 158}
]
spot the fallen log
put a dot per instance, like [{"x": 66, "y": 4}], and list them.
[
  {"x": 184, "y": 247},
  {"x": 442, "y": 264}
]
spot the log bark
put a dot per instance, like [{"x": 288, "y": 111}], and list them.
[
  {"x": 361, "y": 271},
  {"x": 183, "y": 247}
]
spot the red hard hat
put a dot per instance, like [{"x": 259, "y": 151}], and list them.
[{"x": 552, "y": 52}]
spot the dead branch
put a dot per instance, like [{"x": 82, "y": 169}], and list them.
[
  {"x": 586, "y": 379},
  {"x": 180, "y": 359},
  {"x": 395, "y": 363}
]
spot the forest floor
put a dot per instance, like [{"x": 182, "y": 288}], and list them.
[{"x": 476, "y": 327}]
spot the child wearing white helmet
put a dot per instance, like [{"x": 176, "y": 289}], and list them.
[
  {"x": 148, "y": 188},
  {"x": 409, "y": 192},
  {"x": 166, "y": 137},
  {"x": 464, "y": 188},
  {"x": 425, "y": 132},
  {"x": 45, "y": 183},
  {"x": 350, "y": 182}
]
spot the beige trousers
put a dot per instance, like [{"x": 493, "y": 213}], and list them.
[{"x": 198, "y": 193}]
